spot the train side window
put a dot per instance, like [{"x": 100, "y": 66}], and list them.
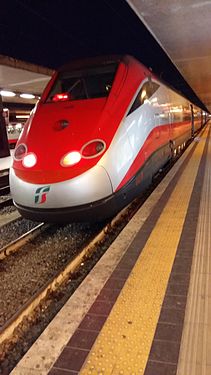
[{"x": 147, "y": 90}]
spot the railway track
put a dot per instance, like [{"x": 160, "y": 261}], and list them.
[
  {"x": 11, "y": 230},
  {"x": 7, "y": 330},
  {"x": 15, "y": 245}
]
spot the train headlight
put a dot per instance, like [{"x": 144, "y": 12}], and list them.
[
  {"x": 20, "y": 152},
  {"x": 93, "y": 148},
  {"x": 29, "y": 160},
  {"x": 70, "y": 159}
]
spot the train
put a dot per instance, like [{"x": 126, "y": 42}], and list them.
[{"x": 102, "y": 129}]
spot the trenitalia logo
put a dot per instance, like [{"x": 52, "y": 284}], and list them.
[{"x": 40, "y": 194}]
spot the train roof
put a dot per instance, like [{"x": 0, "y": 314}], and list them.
[
  {"x": 97, "y": 61},
  {"x": 92, "y": 61}
]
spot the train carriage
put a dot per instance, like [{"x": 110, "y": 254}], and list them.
[{"x": 101, "y": 131}]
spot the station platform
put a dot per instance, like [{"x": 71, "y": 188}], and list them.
[{"x": 145, "y": 307}]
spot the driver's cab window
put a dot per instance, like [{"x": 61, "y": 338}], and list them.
[{"x": 145, "y": 93}]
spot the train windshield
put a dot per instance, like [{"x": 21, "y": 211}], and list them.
[{"x": 83, "y": 84}]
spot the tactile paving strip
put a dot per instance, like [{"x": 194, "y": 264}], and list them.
[{"x": 195, "y": 352}]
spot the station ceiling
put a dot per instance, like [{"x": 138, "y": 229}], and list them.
[
  {"x": 183, "y": 29},
  {"x": 22, "y": 77},
  {"x": 171, "y": 37}
]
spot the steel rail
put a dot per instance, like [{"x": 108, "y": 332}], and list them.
[{"x": 15, "y": 245}]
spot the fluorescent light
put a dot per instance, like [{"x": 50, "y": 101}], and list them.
[
  {"x": 7, "y": 93},
  {"x": 22, "y": 116},
  {"x": 27, "y": 96}
]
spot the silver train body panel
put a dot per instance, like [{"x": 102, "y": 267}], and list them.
[
  {"x": 91, "y": 185},
  {"x": 136, "y": 127}
]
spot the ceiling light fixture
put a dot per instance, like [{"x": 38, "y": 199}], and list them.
[
  {"x": 22, "y": 116},
  {"x": 27, "y": 96},
  {"x": 7, "y": 93}
]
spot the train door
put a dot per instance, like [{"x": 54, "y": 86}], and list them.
[
  {"x": 157, "y": 121},
  {"x": 160, "y": 103},
  {"x": 173, "y": 108},
  {"x": 152, "y": 88},
  {"x": 201, "y": 119},
  {"x": 192, "y": 121}
]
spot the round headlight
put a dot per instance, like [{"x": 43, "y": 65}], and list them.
[
  {"x": 93, "y": 148},
  {"x": 20, "y": 152},
  {"x": 29, "y": 160},
  {"x": 70, "y": 159}
]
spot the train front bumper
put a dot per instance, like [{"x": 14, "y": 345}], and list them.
[{"x": 78, "y": 199}]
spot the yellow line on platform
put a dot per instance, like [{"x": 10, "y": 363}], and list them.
[{"x": 124, "y": 343}]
